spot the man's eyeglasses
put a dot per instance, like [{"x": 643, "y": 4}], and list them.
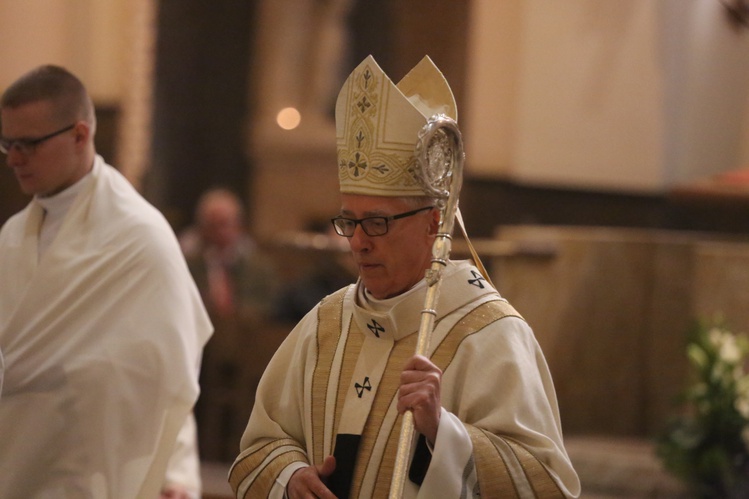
[
  {"x": 27, "y": 145},
  {"x": 372, "y": 226}
]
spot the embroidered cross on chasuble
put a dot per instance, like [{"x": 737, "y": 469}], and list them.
[{"x": 361, "y": 415}]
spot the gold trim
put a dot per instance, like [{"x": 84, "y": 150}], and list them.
[
  {"x": 491, "y": 470},
  {"x": 264, "y": 480},
  {"x": 538, "y": 475},
  {"x": 472, "y": 322},
  {"x": 254, "y": 458},
  {"x": 328, "y": 334}
]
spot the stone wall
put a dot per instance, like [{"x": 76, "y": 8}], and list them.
[{"x": 612, "y": 307}]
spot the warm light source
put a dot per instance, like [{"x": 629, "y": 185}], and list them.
[{"x": 288, "y": 118}]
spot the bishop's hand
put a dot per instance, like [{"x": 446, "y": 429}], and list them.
[
  {"x": 420, "y": 392},
  {"x": 309, "y": 482}
]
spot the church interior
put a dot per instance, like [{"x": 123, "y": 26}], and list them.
[{"x": 606, "y": 184}]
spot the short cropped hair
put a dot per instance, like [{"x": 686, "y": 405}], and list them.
[{"x": 56, "y": 84}]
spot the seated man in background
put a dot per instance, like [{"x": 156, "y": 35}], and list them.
[
  {"x": 234, "y": 277},
  {"x": 238, "y": 284}
]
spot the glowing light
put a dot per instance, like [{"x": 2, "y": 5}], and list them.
[{"x": 288, "y": 118}]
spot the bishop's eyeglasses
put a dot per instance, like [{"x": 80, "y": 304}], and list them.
[
  {"x": 27, "y": 145},
  {"x": 372, "y": 226}
]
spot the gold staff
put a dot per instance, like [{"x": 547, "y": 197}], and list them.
[{"x": 439, "y": 169}]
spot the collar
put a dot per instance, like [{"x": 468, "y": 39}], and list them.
[
  {"x": 59, "y": 204},
  {"x": 395, "y": 318}
]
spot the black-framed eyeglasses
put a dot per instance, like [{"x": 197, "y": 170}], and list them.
[
  {"x": 27, "y": 145},
  {"x": 372, "y": 226}
]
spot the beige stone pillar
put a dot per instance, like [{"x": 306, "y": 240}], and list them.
[
  {"x": 298, "y": 50},
  {"x": 137, "y": 104}
]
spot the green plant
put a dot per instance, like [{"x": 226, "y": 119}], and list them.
[{"x": 707, "y": 444}]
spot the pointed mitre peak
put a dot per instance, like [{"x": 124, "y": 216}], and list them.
[
  {"x": 427, "y": 89},
  {"x": 378, "y": 125}
]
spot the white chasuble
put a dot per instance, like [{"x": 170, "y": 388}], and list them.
[
  {"x": 102, "y": 338},
  {"x": 331, "y": 389}
]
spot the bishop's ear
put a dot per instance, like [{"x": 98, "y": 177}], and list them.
[{"x": 434, "y": 222}]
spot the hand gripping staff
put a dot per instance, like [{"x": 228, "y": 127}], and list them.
[{"x": 439, "y": 169}]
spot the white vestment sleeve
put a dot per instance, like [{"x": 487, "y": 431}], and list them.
[
  {"x": 184, "y": 464},
  {"x": 451, "y": 460},
  {"x": 279, "y": 488}
]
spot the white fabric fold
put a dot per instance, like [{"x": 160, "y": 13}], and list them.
[{"x": 102, "y": 339}]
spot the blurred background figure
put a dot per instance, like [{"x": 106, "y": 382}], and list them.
[
  {"x": 238, "y": 284},
  {"x": 235, "y": 279}
]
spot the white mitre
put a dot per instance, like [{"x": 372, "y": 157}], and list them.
[{"x": 378, "y": 124}]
